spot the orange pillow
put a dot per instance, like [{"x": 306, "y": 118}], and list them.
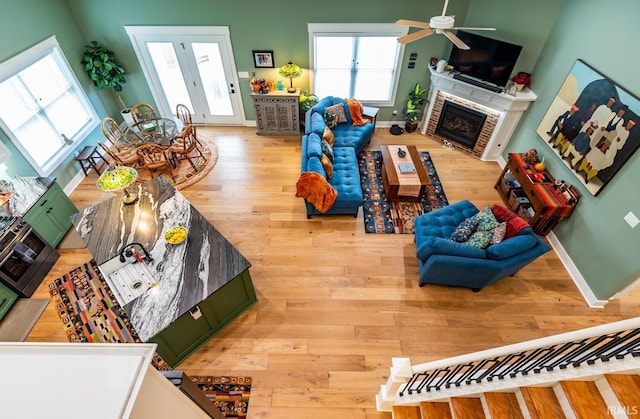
[
  {"x": 327, "y": 135},
  {"x": 328, "y": 166},
  {"x": 315, "y": 189}
]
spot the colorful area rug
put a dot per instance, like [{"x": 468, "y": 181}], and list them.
[
  {"x": 90, "y": 312},
  {"x": 382, "y": 216},
  {"x": 229, "y": 394},
  {"x": 185, "y": 175}
]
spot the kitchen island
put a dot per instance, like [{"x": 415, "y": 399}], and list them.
[{"x": 203, "y": 283}]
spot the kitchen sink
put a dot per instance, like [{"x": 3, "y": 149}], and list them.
[{"x": 129, "y": 279}]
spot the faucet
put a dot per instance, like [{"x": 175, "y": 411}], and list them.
[{"x": 126, "y": 251}]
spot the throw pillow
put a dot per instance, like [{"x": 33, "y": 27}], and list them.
[
  {"x": 328, "y": 135},
  {"x": 328, "y": 167},
  {"x": 337, "y": 110},
  {"x": 327, "y": 150},
  {"x": 514, "y": 223},
  {"x": 486, "y": 220},
  {"x": 464, "y": 230},
  {"x": 330, "y": 119},
  {"x": 498, "y": 233},
  {"x": 479, "y": 239}
]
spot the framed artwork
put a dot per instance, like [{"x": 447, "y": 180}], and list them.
[
  {"x": 592, "y": 125},
  {"x": 263, "y": 59}
]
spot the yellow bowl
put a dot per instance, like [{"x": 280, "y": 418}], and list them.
[{"x": 175, "y": 235}]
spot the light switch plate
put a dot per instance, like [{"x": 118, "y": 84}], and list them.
[
  {"x": 243, "y": 74},
  {"x": 631, "y": 219}
]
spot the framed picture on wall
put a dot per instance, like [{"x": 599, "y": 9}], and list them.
[
  {"x": 263, "y": 59},
  {"x": 592, "y": 125}
]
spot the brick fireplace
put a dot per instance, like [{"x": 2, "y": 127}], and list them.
[{"x": 472, "y": 119}]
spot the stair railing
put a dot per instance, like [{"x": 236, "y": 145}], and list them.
[{"x": 583, "y": 353}]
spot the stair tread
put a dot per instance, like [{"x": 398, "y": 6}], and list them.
[
  {"x": 627, "y": 389},
  {"x": 435, "y": 410},
  {"x": 503, "y": 405},
  {"x": 585, "y": 399},
  {"x": 467, "y": 408},
  {"x": 406, "y": 412},
  {"x": 542, "y": 402}
]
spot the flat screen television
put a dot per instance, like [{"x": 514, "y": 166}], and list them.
[{"x": 487, "y": 59}]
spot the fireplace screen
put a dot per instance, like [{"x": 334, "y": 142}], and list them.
[{"x": 460, "y": 124}]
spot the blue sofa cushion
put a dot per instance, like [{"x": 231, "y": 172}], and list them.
[
  {"x": 512, "y": 246},
  {"x": 345, "y": 179},
  {"x": 314, "y": 146},
  {"x": 440, "y": 246}
]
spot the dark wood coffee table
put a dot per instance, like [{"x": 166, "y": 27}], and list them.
[{"x": 393, "y": 179}]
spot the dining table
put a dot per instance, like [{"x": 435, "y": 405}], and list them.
[{"x": 161, "y": 131}]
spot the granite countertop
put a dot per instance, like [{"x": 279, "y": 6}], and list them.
[
  {"x": 26, "y": 191},
  {"x": 187, "y": 273}
]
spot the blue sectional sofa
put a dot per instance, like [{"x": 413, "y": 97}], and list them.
[{"x": 349, "y": 140}]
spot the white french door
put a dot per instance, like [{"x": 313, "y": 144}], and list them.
[{"x": 191, "y": 65}]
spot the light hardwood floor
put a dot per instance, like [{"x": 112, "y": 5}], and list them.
[{"x": 335, "y": 303}]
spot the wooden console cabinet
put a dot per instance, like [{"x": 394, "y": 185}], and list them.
[
  {"x": 540, "y": 203},
  {"x": 277, "y": 112}
]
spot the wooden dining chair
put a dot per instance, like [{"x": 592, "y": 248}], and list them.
[
  {"x": 124, "y": 157},
  {"x": 183, "y": 148},
  {"x": 141, "y": 112},
  {"x": 184, "y": 114},
  {"x": 112, "y": 131},
  {"x": 153, "y": 158}
]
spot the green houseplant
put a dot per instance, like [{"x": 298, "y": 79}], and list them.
[
  {"x": 104, "y": 70},
  {"x": 413, "y": 108},
  {"x": 307, "y": 101}
]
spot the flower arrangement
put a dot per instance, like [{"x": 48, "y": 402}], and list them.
[{"x": 522, "y": 78}]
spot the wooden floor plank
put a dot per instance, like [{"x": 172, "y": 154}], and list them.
[{"x": 327, "y": 289}]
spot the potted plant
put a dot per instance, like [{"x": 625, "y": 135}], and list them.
[
  {"x": 413, "y": 108},
  {"x": 307, "y": 101},
  {"x": 105, "y": 71}
]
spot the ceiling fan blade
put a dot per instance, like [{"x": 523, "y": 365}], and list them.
[
  {"x": 457, "y": 41},
  {"x": 414, "y": 36},
  {"x": 475, "y": 29},
  {"x": 415, "y": 23}
]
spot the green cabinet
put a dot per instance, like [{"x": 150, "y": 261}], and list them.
[
  {"x": 51, "y": 215},
  {"x": 7, "y": 298},
  {"x": 193, "y": 329}
]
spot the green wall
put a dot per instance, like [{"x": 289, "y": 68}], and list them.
[
  {"x": 24, "y": 24},
  {"x": 600, "y": 243}
]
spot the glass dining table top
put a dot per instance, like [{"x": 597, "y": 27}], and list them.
[{"x": 161, "y": 131}]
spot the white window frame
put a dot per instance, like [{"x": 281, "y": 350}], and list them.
[
  {"x": 360, "y": 30},
  {"x": 23, "y": 60}
]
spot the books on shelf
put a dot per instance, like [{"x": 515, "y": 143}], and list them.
[{"x": 406, "y": 168}]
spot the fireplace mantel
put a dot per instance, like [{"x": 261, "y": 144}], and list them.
[{"x": 509, "y": 108}]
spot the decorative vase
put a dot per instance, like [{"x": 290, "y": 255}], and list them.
[{"x": 401, "y": 152}]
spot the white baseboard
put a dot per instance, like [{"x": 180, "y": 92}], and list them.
[
  {"x": 73, "y": 184},
  {"x": 578, "y": 279}
]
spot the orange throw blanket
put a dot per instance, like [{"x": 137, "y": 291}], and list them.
[
  {"x": 313, "y": 187},
  {"x": 355, "y": 110}
]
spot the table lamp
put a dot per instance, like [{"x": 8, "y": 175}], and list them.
[
  {"x": 290, "y": 70},
  {"x": 118, "y": 178}
]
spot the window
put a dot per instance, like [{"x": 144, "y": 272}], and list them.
[
  {"x": 356, "y": 60},
  {"x": 43, "y": 109}
]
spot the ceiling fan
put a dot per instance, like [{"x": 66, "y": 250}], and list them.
[{"x": 437, "y": 24}]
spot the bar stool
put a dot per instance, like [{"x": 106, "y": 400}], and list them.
[{"x": 89, "y": 158}]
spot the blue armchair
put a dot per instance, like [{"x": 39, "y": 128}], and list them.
[{"x": 445, "y": 262}]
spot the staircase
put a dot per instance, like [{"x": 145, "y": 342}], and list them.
[
  {"x": 592, "y": 373},
  {"x": 567, "y": 399}
]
